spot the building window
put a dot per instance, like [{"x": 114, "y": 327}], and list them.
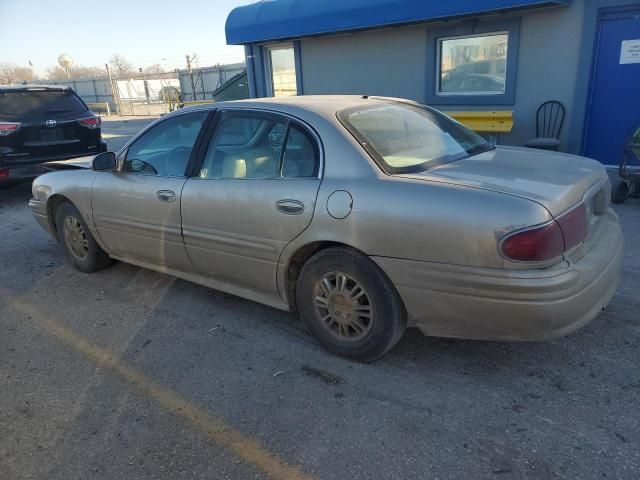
[
  {"x": 473, "y": 65},
  {"x": 281, "y": 71}
]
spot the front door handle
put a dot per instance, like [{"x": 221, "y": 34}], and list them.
[
  {"x": 166, "y": 196},
  {"x": 290, "y": 207}
]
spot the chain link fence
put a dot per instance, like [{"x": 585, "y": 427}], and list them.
[
  {"x": 201, "y": 83},
  {"x": 155, "y": 94},
  {"x": 147, "y": 94}
]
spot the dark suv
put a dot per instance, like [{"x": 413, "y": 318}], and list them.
[{"x": 41, "y": 123}]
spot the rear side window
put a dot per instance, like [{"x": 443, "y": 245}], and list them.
[
  {"x": 238, "y": 130},
  {"x": 34, "y": 105},
  {"x": 253, "y": 154},
  {"x": 300, "y": 159},
  {"x": 270, "y": 147}
]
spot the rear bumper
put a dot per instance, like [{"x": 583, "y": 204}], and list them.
[
  {"x": 31, "y": 167},
  {"x": 494, "y": 304},
  {"x": 22, "y": 172}
]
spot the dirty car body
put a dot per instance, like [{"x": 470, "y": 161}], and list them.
[{"x": 470, "y": 241}]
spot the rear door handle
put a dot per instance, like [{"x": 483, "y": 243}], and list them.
[
  {"x": 290, "y": 207},
  {"x": 166, "y": 196}
]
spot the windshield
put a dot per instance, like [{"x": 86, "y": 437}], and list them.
[
  {"x": 404, "y": 138},
  {"x": 30, "y": 105}
]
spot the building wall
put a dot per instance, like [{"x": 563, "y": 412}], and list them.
[
  {"x": 585, "y": 68},
  {"x": 393, "y": 62},
  {"x": 389, "y": 62}
]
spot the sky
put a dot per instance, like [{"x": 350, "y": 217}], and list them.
[{"x": 144, "y": 32}]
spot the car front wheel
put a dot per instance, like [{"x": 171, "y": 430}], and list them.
[
  {"x": 349, "y": 304},
  {"x": 79, "y": 245}
]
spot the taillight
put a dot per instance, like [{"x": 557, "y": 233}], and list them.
[
  {"x": 4, "y": 173},
  {"x": 7, "y": 128},
  {"x": 574, "y": 226},
  {"x": 90, "y": 122},
  {"x": 548, "y": 241},
  {"x": 535, "y": 244}
]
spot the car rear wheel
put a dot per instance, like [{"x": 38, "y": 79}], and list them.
[
  {"x": 620, "y": 192},
  {"x": 349, "y": 304},
  {"x": 78, "y": 243}
]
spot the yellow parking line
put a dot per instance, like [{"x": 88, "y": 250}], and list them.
[{"x": 224, "y": 435}]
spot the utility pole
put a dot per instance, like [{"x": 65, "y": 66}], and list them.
[
  {"x": 114, "y": 91},
  {"x": 193, "y": 85}
]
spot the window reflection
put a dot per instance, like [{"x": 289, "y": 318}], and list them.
[
  {"x": 283, "y": 71},
  {"x": 473, "y": 64}
]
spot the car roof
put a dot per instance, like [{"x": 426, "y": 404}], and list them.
[
  {"x": 316, "y": 103},
  {"x": 326, "y": 106},
  {"x": 32, "y": 87}
]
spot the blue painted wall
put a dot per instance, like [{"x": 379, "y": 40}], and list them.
[{"x": 554, "y": 62}]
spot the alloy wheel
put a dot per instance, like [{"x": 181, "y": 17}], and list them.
[
  {"x": 75, "y": 238},
  {"x": 343, "y": 307}
]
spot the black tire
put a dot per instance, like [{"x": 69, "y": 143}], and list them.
[
  {"x": 620, "y": 192},
  {"x": 388, "y": 319},
  {"x": 95, "y": 258}
]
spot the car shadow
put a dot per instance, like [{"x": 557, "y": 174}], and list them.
[{"x": 15, "y": 193}]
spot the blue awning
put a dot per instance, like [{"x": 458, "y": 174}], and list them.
[{"x": 271, "y": 20}]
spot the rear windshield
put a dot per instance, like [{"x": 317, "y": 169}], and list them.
[
  {"x": 34, "y": 105},
  {"x": 405, "y": 138}
]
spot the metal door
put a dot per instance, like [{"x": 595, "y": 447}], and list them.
[
  {"x": 138, "y": 217},
  {"x": 614, "y": 105},
  {"x": 136, "y": 210},
  {"x": 236, "y": 223},
  {"x": 235, "y": 230}
]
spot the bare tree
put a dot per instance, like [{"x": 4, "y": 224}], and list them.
[
  {"x": 88, "y": 72},
  {"x": 120, "y": 65},
  {"x": 155, "y": 68},
  {"x": 77, "y": 71},
  {"x": 12, "y": 73},
  {"x": 56, "y": 73}
]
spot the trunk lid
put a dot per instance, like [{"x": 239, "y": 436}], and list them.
[
  {"x": 557, "y": 181},
  {"x": 71, "y": 164}
]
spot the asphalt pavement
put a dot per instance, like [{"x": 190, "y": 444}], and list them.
[{"x": 127, "y": 373}]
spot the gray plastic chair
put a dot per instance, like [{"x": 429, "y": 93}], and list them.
[{"x": 549, "y": 120}]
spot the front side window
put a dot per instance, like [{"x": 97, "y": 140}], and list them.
[
  {"x": 473, "y": 65},
  {"x": 282, "y": 71},
  {"x": 165, "y": 149},
  {"x": 256, "y": 146},
  {"x": 404, "y": 138}
]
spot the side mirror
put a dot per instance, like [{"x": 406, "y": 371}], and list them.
[{"x": 104, "y": 161}]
